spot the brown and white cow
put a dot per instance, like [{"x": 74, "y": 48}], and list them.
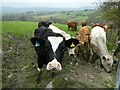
[
  {"x": 84, "y": 37},
  {"x": 72, "y": 25},
  {"x": 106, "y": 27},
  {"x": 98, "y": 43}
]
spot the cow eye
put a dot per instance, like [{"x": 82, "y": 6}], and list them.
[
  {"x": 108, "y": 59},
  {"x": 47, "y": 49}
]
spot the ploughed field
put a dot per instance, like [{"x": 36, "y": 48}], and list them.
[{"x": 19, "y": 63}]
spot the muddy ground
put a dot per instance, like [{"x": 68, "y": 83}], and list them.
[{"x": 19, "y": 68}]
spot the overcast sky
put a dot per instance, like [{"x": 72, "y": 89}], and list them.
[{"x": 49, "y": 3}]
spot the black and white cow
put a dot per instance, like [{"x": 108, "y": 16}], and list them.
[
  {"x": 66, "y": 36},
  {"x": 50, "y": 47}
]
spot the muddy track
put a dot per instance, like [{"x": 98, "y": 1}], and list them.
[{"x": 19, "y": 68}]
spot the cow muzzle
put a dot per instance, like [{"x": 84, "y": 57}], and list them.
[{"x": 55, "y": 65}]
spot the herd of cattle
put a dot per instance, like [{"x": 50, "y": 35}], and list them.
[{"x": 50, "y": 43}]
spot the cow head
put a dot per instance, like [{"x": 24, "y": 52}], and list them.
[
  {"x": 45, "y": 24},
  {"x": 107, "y": 62},
  {"x": 71, "y": 44},
  {"x": 106, "y": 28},
  {"x": 52, "y": 49}
]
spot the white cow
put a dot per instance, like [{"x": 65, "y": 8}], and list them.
[
  {"x": 98, "y": 40},
  {"x": 67, "y": 36}
]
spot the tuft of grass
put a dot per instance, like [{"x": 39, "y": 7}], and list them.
[
  {"x": 110, "y": 83},
  {"x": 64, "y": 83},
  {"x": 67, "y": 82},
  {"x": 110, "y": 46}
]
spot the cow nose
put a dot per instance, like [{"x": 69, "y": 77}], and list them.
[
  {"x": 109, "y": 72},
  {"x": 72, "y": 55},
  {"x": 115, "y": 62}
]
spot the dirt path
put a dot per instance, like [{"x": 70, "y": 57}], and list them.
[{"x": 19, "y": 69}]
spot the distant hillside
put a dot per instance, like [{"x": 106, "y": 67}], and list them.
[{"x": 41, "y": 9}]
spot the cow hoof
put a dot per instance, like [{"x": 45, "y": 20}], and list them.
[{"x": 89, "y": 62}]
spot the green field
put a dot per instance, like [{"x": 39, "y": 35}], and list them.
[{"x": 20, "y": 28}]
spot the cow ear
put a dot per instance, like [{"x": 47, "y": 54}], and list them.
[
  {"x": 41, "y": 23},
  {"x": 71, "y": 43},
  {"x": 50, "y": 23},
  {"x": 37, "y": 42}
]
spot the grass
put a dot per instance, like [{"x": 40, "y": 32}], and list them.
[
  {"x": 18, "y": 28},
  {"x": 65, "y": 28},
  {"x": 22, "y": 28}
]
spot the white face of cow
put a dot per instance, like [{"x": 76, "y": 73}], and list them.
[
  {"x": 107, "y": 62},
  {"x": 55, "y": 41},
  {"x": 71, "y": 51}
]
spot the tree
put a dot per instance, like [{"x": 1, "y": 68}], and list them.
[{"x": 111, "y": 12}]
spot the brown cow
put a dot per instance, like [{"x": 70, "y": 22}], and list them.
[
  {"x": 72, "y": 25},
  {"x": 106, "y": 27},
  {"x": 84, "y": 37},
  {"x": 97, "y": 24}
]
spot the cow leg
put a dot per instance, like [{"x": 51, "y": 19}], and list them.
[
  {"x": 85, "y": 51},
  {"x": 38, "y": 80},
  {"x": 72, "y": 28},
  {"x": 68, "y": 28},
  {"x": 90, "y": 56},
  {"x": 40, "y": 71},
  {"x": 88, "y": 51},
  {"x": 75, "y": 28},
  {"x": 77, "y": 51}
]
